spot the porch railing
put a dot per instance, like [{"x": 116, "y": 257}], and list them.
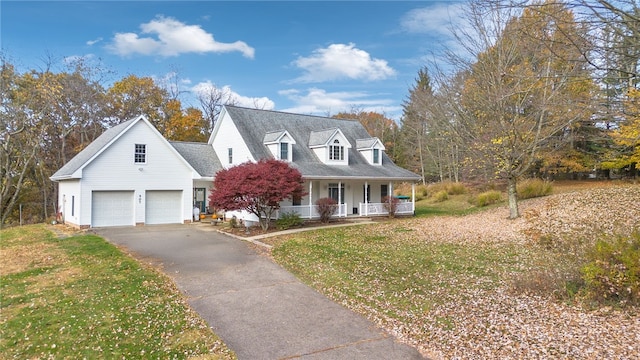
[
  {"x": 377, "y": 209},
  {"x": 310, "y": 211},
  {"x": 364, "y": 209}
]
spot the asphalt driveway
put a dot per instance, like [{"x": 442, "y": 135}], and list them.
[{"x": 260, "y": 310}]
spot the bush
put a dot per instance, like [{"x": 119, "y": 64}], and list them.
[
  {"x": 531, "y": 188},
  {"x": 452, "y": 188},
  {"x": 613, "y": 270},
  {"x": 441, "y": 196},
  {"x": 326, "y": 208},
  {"x": 456, "y": 189},
  {"x": 288, "y": 220},
  {"x": 487, "y": 198},
  {"x": 390, "y": 204}
]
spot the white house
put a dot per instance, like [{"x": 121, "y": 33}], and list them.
[{"x": 131, "y": 175}]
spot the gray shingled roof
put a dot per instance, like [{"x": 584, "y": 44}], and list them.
[
  {"x": 90, "y": 151},
  {"x": 319, "y": 138},
  {"x": 365, "y": 143},
  {"x": 200, "y": 156},
  {"x": 253, "y": 124},
  {"x": 272, "y": 136}
]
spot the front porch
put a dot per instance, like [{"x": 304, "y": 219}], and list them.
[{"x": 364, "y": 209}]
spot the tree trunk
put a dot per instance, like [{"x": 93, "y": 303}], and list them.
[{"x": 513, "y": 198}]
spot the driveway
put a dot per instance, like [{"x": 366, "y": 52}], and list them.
[{"x": 260, "y": 310}]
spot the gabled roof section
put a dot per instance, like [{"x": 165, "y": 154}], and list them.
[
  {"x": 322, "y": 137},
  {"x": 253, "y": 124},
  {"x": 370, "y": 143},
  {"x": 200, "y": 156},
  {"x": 277, "y": 136},
  {"x": 92, "y": 150}
]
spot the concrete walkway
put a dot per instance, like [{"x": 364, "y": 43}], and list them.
[{"x": 260, "y": 310}]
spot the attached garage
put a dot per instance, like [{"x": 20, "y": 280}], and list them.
[
  {"x": 112, "y": 208},
  {"x": 163, "y": 207}
]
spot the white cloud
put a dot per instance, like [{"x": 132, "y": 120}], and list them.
[
  {"x": 93, "y": 42},
  {"x": 231, "y": 96},
  {"x": 320, "y": 102},
  {"x": 340, "y": 61},
  {"x": 437, "y": 19},
  {"x": 166, "y": 36}
]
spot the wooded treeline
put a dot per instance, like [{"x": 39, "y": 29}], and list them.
[{"x": 543, "y": 88}]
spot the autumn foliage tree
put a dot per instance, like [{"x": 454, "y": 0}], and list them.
[{"x": 256, "y": 187}]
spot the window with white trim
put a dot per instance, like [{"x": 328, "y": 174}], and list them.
[
  {"x": 284, "y": 151},
  {"x": 376, "y": 156},
  {"x": 140, "y": 154},
  {"x": 336, "y": 151},
  {"x": 230, "y": 155}
]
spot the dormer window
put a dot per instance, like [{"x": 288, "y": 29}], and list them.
[
  {"x": 330, "y": 146},
  {"x": 279, "y": 144},
  {"x": 336, "y": 151},
  {"x": 371, "y": 149}
]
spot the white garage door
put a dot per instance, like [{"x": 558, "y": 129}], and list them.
[
  {"x": 112, "y": 208},
  {"x": 163, "y": 207}
]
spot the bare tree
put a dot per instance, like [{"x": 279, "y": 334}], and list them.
[{"x": 212, "y": 98}]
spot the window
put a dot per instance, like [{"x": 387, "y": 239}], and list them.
[
  {"x": 230, "y": 155},
  {"x": 284, "y": 151},
  {"x": 376, "y": 156},
  {"x": 140, "y": 154},
  {"x": 384, "y": 191},
  {"x": 334, "y": 190},
  {"x": 296, "y": 200},
  {"x": 336, "y": 151},
  {"x": 73, "y": 205}
]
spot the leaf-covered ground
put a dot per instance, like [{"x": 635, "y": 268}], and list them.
[{"x": 477, "y": 286}]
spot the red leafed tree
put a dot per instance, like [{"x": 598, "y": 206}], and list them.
[{"x": 256, "y": 187}]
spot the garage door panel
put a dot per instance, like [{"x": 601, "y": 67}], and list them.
[
  {"x": 112, "y": 208},
  {"x": 163, "y": 207}
]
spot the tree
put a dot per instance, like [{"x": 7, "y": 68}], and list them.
[
  {"x": 520, "y": 95},
  {"x": 212, "y": 99},
  {"x": 184, "y": 125},
  {"x": 133, "y": 96},
  {"x": 627, "y": 136},
  {"x": 256, "y": 187}
]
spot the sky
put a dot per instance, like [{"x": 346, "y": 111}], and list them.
[{"x": 307, "y": 57}]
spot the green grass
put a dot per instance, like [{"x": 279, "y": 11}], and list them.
[
  {"x": 455, "y": 205},
  {"x": 388, "y": 271},
  {"x": 80, "y": 297}
]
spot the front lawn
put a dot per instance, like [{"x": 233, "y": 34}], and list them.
[
  {"x": 479, "y": 285},
  {"x": 80, "y": 297}
]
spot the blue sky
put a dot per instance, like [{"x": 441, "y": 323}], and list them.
[{"x": 297, "y": 56}]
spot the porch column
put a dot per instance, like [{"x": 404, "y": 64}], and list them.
[
  {"x": 339, "y": 198},
  {"x": 310, "y": 199},
  {"x": 413, "y": 198},
  {"x": 366, "y": 198}
]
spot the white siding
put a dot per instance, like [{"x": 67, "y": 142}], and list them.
[
  {"x": 228, "y": 136},
  {"x": 69, "y": 201},
  {"x": 115, "y": 169}
]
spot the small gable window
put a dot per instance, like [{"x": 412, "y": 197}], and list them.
[
  {"x": 376, "y": 156},
  {"x": 140, "y": 154},
  {"x": 336, "y": 151},
  {"x": 284, "y": 151},
  {"x": 230, "y": 151}
]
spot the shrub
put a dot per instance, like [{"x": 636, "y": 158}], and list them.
[
  {"x": 613, "y": 270},
  {"x": 326, "y": 208},
  {"x": 441, "y": 196},
  {"x": 531, "y": 188},
  {"x": 288, "y": 220},
  {"x": 456, "y": 189},
  {"x": 390, "y": 204},
  {"x": 487, "y": 198}
]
